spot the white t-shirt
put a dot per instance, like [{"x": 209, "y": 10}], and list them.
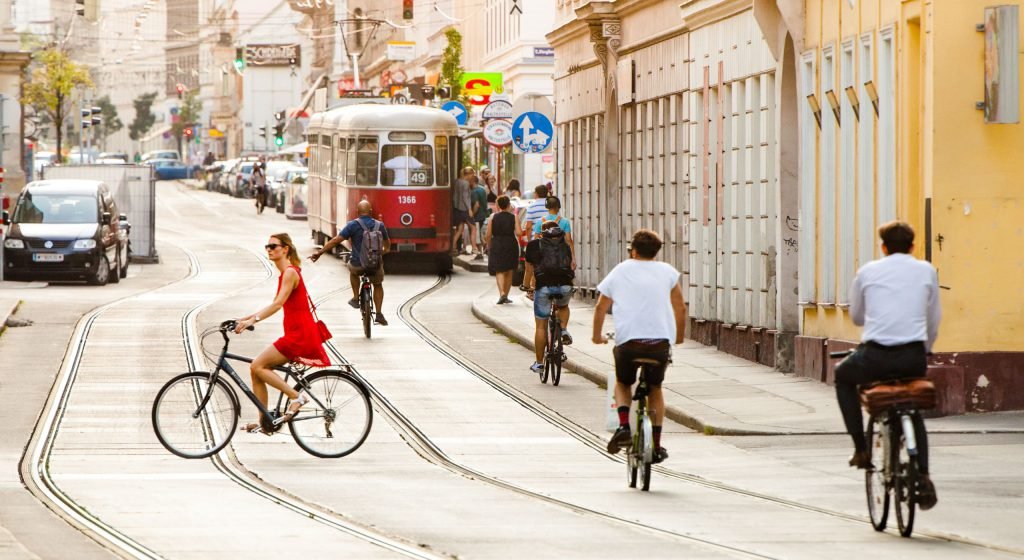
[{"x": 641, "y": 293}]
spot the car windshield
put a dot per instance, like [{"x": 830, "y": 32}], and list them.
[
  {"x": 247, "y": 168},
  {"x": 55, "y": 209}
]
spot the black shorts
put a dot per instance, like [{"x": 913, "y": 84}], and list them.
[
  {"x": 625, "y": 369},
  {"x": 459, "y": 217}
]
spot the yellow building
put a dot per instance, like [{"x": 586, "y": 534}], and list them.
[{"x": 895, "y": 122}]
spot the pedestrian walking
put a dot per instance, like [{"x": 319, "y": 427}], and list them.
[
  {"x": 301, "y": 342},
  {"x": 478, "y": 215},
  {"x": 502, "y": 237},
  {"x": 650, "y": 316},
  {"x": 461, "y": 203},
  {"x": 259, "y": 181}
]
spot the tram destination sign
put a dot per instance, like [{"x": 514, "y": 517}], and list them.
[{"x": 273, "y": 55}]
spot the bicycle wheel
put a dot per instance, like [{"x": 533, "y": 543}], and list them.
[
  {"x": 874, "y": 477},
  {"x": 904, "y": 482},
  {"x": 556, "y": 370},
  {"x": 188, "y": 431},
  {"x": 338, "y": 417},
  {"x": 646, "y": 452},
  {"x": 366, "y": 306},
  {"x": 632, "y": 461},
  {"x": 548, "y": 360}
]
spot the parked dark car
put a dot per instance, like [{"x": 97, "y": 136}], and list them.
[{"x": 67, "y": 229}]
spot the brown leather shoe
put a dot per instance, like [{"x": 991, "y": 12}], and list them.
[{"x": 861, "y": 459}]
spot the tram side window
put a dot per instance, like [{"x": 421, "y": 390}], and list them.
[
  {"x": 441, "y": 151},
  {"x": 407, "y": 165},
  {"x": 350, "y": 171},
  {"x": 313, "y": 159},
  {"x": 325, "y": 153},
  {"x": 340, "y": 159},
  {"x": 366, "y": 162}
]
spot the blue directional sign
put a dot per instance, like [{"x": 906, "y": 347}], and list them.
[
  {"x": 532, "y": 132},
  {"x": 458, "y": 110}
]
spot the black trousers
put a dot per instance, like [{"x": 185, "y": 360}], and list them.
[{"x": 872, "y": 362}]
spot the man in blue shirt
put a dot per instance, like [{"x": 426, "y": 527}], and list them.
[{"x": 353, "y": 232}]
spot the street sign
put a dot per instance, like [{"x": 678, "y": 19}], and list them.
[
  {"x": 532, "y": 132},
  {"x": 497, "y": 110},
  {"x": 457, "y": 110},
  {"x": 498, "y": 132},
  {"x": 401, "y": 50}
]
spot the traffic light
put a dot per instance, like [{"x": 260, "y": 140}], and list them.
[
  {"x": 95, "y": 112},
  {"x": 188, "y": 132},
  {"x": 444, "y": 92},
  {"x": 279, "y": 116},
  {"x": 239, "y": 59},
  {"x": 407, "y": 9},
  {"x": 181, "y": 89},
  {"x": 88, "y": 9},
  {"x": 279, "y": 134},
  {"x": 263, "y": 131}
]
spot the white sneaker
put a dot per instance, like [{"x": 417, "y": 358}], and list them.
[{"x": 537, "y": 367}]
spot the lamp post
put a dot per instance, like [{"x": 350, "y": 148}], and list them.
[{"x": 352, "y": 30}]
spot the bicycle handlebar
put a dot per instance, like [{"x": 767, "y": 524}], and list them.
[{"x": 230, "y": 325}]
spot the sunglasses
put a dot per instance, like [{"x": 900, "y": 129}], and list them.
[{"x": 272, "y": 246}]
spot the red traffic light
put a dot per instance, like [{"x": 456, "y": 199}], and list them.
[
  {"x": 188, "y": 132},
  {"x": 180, "y": 88},
  {"x": 407, "y": 9}
]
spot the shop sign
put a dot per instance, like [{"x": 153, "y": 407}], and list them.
[
  {"x": 497, "y": 110},
  {"x": 401, "y": 50},
  {"x": 543, "y": 51},
  {"x": 498, "y": 132},
  {"x": 272, "y": 55},
  {"x": 479, "y": 86}
]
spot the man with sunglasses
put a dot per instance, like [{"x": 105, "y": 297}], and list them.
[
  {"x": 353, "y": 232},
  {"x": 650, "y": 316}
]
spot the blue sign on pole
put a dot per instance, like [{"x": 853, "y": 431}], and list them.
[
  {"x": 532, "y": 132},
  {"x": 457, "y": 110}
]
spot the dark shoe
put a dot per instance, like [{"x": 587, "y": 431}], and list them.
[
  {"x": 354, "y": 303},
  {"x": 660, "y": 454},
  {"x": 380, "y": 320},
  {"x": 861, "y": 459},
  {"x": 566, "y": 338},
  {"x": 479, "y": 257},
  {"x": 621, "y": 438},
  {"x": 926, "y": 497},
  {"x": 503, "y": 299}
]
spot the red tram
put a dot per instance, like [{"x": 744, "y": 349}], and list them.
[{"x": 401, "y": 158}]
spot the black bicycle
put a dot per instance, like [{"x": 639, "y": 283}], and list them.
[
  {"x": 641, "y": 453},
  {"x": 894, "y": 428},
  {"x": 365, "y": 297},
  {"x": 195, "y": 414},
  {"x": 554, "y": 352}
]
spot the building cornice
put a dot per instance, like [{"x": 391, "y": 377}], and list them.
[
  {"x": 587, "y": 14},
  {"x": 698, "y": 13}
]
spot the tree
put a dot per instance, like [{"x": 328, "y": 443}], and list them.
[
  {"x": 451, "y": 66},
  {"x": 144, "y": 117},
  {"x": 110, "y": 123},
  {"x": 188, "y": 115},
  {"x": 51, "y": 83}
]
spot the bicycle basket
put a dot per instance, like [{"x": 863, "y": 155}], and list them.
[{"x": 915, "y": 393}]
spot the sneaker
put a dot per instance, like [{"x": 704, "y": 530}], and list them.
[
  {"x": 660, "y": 454},
  {"x": 861, "y": 459},
  {"x": 566, "y": 338},
  {"x": 354, "y": 303},
  {"x": 926, "y": 496},
  {"x": 537, "y": 367},
  {"x": 380, "y": 320},
  {"x": 504, "y": 299},
  {"x": 500, "y": 301},
  {"x": 621, "y": 438}
]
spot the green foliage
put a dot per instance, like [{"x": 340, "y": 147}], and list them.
[
  {"x": 144, "y": 117},
  {"x": 451, "y": 66},
  {"x": 188, "y": 114},
  {"x": 111, "y": 122},
  {"x": 52, "y": 80}
]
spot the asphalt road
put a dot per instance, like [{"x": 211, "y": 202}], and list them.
[{"x": 469, "y": 456}]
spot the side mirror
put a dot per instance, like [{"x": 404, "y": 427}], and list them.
[
  {"x": 105, "y": 218},
  {"x": 6, "y": 218}
]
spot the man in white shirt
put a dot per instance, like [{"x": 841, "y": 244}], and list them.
[
  {"x": 650, "y": 315},
  {"x": 896, "y": 300},
  {"x": 401, "y": 165}
]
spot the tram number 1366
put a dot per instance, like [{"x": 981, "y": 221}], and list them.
[{"x": 407, "y": 200}]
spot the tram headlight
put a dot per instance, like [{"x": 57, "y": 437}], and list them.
[{"x": 406, "y": 219}]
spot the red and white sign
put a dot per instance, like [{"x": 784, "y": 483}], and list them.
[{"x": 498, "y": 132}]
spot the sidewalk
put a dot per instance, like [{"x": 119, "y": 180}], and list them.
[{"x": 714, "y": 392}]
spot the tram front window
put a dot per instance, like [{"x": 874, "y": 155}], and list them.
[{"x": 405, "y": 165}]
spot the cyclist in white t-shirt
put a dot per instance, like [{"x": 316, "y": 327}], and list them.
[{"x": 650, "y": 315}]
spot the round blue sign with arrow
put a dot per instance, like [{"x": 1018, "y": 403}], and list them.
[
  {"x": 457, "y": 110},
  {"x": 532, "y": 132}
]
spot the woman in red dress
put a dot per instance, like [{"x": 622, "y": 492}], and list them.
[{"x": 301, "y": 340}]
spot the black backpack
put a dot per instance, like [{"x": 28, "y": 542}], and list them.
[
  {"x": 555, "y": 258},
  {"x": 372, "y": 246}
]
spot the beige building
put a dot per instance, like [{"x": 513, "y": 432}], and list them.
[{"x": 670, "y": 117}]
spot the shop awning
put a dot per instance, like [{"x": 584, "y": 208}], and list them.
[{"x": 296, "y": 149}]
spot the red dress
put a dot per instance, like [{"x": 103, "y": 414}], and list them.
[{"x": 301, "y": 340}]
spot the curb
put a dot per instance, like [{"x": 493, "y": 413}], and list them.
[
  {"x": 471, "y": 266},
  {"x": 6, "y": 314},
  {"x": 600, "y": 379}
]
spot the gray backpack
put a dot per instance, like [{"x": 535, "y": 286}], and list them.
[{"x": 372, "y": 247}]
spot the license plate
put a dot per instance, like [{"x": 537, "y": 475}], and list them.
[
  {"x": 48, "y": 257},
  {"x": 406, "y": 247}
]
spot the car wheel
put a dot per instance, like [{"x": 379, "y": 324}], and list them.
[
  {"x": 102, "y": 274},
  {"x": 115, "y": 276}
]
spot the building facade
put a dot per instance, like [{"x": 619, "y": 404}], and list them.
[
  {"x": 901, "y": 133},
  {"x": 670, "y": 118}
]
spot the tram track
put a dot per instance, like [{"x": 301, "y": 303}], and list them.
[
  {"x": 596, "y": 443},
  {"x": 39, "y": 479}
]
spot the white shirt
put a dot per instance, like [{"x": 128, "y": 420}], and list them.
[
  {"x": 401, "y": 166},
  {"x": 896, "y": 300},
  {"x": 641, "y": 294}
]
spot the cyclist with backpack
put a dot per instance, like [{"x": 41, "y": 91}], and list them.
[
  {"x": 554, "y": 266},
  {"x": 369, "y": 242}
]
